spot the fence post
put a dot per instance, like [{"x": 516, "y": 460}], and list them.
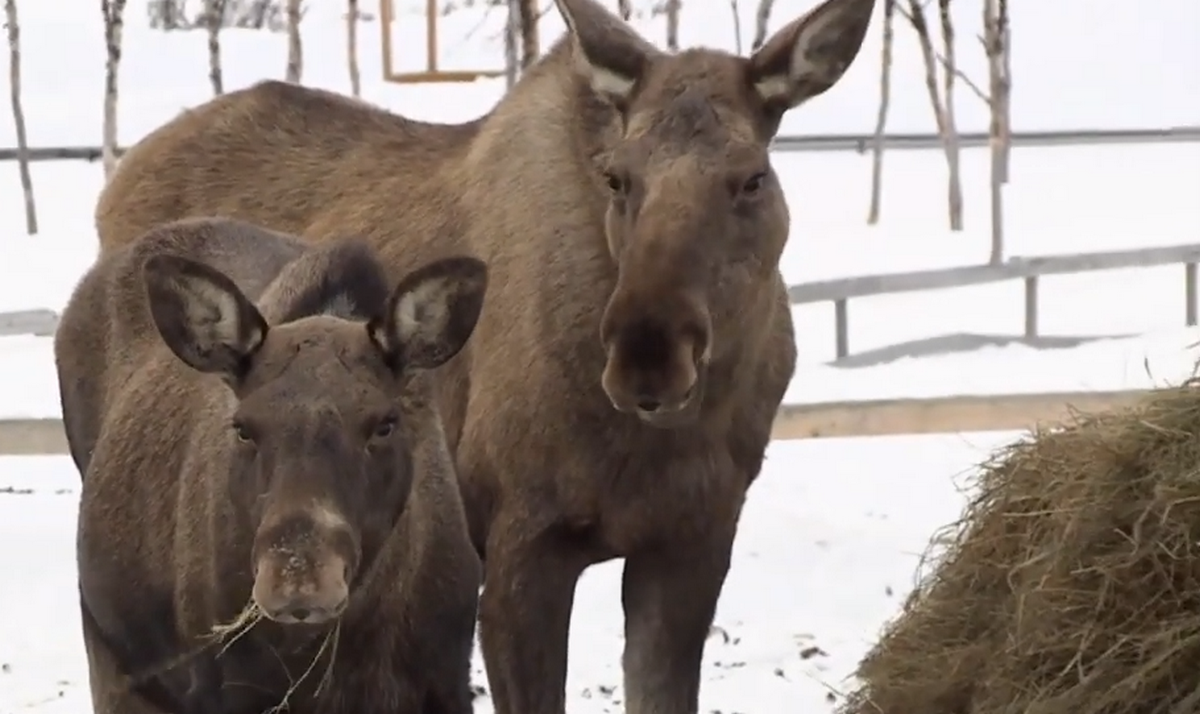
[
  {"x": 1189, "y": 286},
  {"x": 841, "y": 320},
  {"x": 1031, "y": 307}
]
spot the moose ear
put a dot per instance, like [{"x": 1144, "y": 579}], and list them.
[
  {"x": 431, "y": 313},
  {"x": 809, "y": 55},
  {"x": 609, "y": 54},
  {"x": 202, "y": 316}
]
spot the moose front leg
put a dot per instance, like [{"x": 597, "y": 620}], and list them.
[
  {"x": 525, "y": 615},
  {"x": 670, "y": 597},
  {"x": 112, "y": 688}
]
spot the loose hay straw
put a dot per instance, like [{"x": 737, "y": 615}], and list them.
[
  {"x": 228, "y": 633},
  {"x": 1071, "y": 584},
  {"x": 247, "y": 619}
]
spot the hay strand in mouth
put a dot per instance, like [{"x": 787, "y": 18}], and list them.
[
  {"x": 225, "y": 634},
  {"x": 230, "y": 632},
  {"x": 329, "y": 642}
]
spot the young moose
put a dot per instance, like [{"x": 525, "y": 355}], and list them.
[
  {"x": 287, "y": 456},
  {"x": 618, "y": 396}
]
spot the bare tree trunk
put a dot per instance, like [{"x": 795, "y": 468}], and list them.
[
  {"x": 737, "y": 25},
  {"x": 14, "y": 84},
  {"x": 950, "y": 137},
  {"x": 1004, "y": 33},
  {"x": 528, "y": 15},
  {"x": 170, "y": 15},
  {"x": 885, "y": 98},
  {"x": 295, "y": 57},
  {"x": 512, "y": 29},
  {"x": 625, "y": 8},
  {"x": 998, "y": 130},
  {"x": 673, "y": 24},
  {"x": 352, "y": 46},
  {"x": 916, "y": 16},
  {"x": 113, "y": 24},
  {"x": 762, "y": 17},
  {"x": 214, "y": 15}
]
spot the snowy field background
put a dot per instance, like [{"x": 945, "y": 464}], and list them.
[{"x": 834, "y": 527}]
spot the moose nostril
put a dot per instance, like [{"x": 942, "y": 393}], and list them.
[{"x": 648, "y": 404}]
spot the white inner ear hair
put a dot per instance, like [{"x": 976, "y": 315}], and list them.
[
  {"x": 604, "y": 80},
  {"x": 801, "y": 66},
  {"x": 214, "y": 315},
  {"x": 423, "y": 310},
  {"x": 341, "y": 304}
]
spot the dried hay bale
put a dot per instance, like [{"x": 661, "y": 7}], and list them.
[{"x": 1071, "y": 585}]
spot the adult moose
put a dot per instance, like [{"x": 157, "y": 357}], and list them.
[
  {"x": 618, "y": 396},
  {"x": 287, "y": 454}
]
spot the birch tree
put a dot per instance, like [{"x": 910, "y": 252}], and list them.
[
  {"x": 295, "y": 55},
  {"x": 214, "y": 20},
  {"x": 170, "y": 14},
  {"x": 998, "y": 49},
  {"x": 737, "y": 26},
  {"x": 13, "y": 26},
  {"x": 885, "y": 97},
  {"x": 527, "y": 11},
  {"x": 762, "y": 18},
  {"x": 512, "y": 31},
  {"x": 352, "y": 17},
  {"x": 943, "y": 116},
  {"x": 114, "y": 11},
  {"x": 950, "y": 137},
  {"x": 672, "y": 12}
]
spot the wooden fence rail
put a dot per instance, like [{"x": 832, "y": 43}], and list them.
[
  {"x": 1031, "y": 270},
  {"x": 839, "y": 291},
  {"x": 40, "y": 323},
  {"x": 876, "y": 417},
  {"x": 860, "y": 143}
]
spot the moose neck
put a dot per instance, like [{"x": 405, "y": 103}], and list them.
[{"x": 552, "y": 110}]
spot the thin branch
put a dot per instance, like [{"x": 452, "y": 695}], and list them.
[{"x": 975, "y": 88}]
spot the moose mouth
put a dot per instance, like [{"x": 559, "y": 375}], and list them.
[
  {"x": 676, "y": 416},
  {"x": 315, "y": 617}
]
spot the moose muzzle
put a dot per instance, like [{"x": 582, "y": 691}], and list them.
[
  {"x": 303, "y": 564},
  {"x": 657, "y": 348}
]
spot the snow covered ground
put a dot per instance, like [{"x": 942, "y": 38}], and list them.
[
  {"x": 829, "y": 542},
  {"x": 832, "y": 531}
]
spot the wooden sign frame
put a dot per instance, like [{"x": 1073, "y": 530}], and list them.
[{"x": 431, "y": 73}]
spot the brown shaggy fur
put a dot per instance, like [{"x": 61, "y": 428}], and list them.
[
  {"x": 288, "y": 455},
  {"x": 619, "y": 394}
]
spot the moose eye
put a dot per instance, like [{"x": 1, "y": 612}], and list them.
[
  {"x": 385, "y": 427},
  {"x": 242, "y": 432},
  {"x": 615, "y": 184},
  {"x": 755, "y": 183}
]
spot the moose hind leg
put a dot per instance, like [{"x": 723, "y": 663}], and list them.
[{"x": 670, "y": 597}]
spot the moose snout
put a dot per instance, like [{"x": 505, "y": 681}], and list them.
[
  {"x": 655, "y": 362},
  {"x": 290, "y": 590},
  {"x": 300, "y": 575}
]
